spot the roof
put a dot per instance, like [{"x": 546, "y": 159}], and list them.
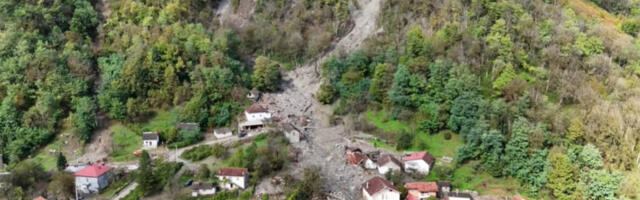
[
  {"x": 384, "y": 159},
  {"x": 428, "y": 158},
  {"x": 202, "y": 186},
  {"x": 411, "y": 196},
  {"x": 150, "y": 136},
  {"x": 356, "y": 158},
  {"x": 39, "y": 198},
  {"x": 377, "y": 184},
  {"x": 255, "y": 108},
  {"x": 95, "y": 170},
  {"x": 189, "y": 126},
  {"x": 232, "y": 172},
  {"x": 221, "y": 130},
  {"x": 422, "y": 186}
]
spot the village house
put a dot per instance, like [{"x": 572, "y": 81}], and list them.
[
  {"x": 421, "y": 190},
  {"x": 202, "y": 189},
  {"x": 233, "y": 178},
  {"x": 256, "y": 112},
  {"x": 291, "y": 133},
  {"x": 92, "y": 178},
  {"x": 379, "y": 189},
  {"x": 188, "y": 126},
  {"x": 255, "y": 116},
  {"x": 222, "y": 133},
  {"x": 253, "y": 95},
  {"x": 419, "y": 162},
  {"x": 150, "y": 140},
  {"x": 387, "y": 163}
]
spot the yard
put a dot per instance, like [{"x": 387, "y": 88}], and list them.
[
  {"x": 464, "y": 177},
  {"x": 435, "y": 144},
  {"x": 125, "y": 142}
]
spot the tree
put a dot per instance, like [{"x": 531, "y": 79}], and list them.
[
  {"x": 599, "y": 184},
  {"x": 590, "y": 157},
  {"x": 145, "y": 173},
  {"x": 26, "y": 174},
  {"x": 62, "y": 185},
  {"x": 61, "y": 162},
  {"x": 492, "y": 148},
  {"x": 266, "y": 75},
  {"x": 416, "y": 43},
  {"x": 84, "y": 117},
  {"x": 203, "y": 172},
  {"x": 562, "y": 177},
  {"x": 406, "y": 88},
  {"x": 575, "y": 131},
  {"x": 219, "y": 151},
  {"x": 326, "y": 93},
  {"x": 404, "y": 140},
  {"x": 381, "y": 82}
]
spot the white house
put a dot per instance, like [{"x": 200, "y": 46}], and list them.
[
  {"x": 421, "y": 190},
  {"x": 92, "y": 178},
  {"x": 233, "y": 178},
  {"x": 379, "y": 189},
  {"x": 387, "y": 163},
  {"x": 291, "y": 133},
  {"x": 256, "y": 112},
  {"x": 420, "y": 162},
  {"x": 150, "y": 140},
  {"x": 202, "y": 189},
  {"x": 222, "y": 133}
]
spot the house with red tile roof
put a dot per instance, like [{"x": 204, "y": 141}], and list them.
[
  {"x": 39, "y": 198},
  {"x": 378, "y": 188},
  {"x": 419, "y": 162},
  {"x": 421, "y": 190},
  {"x": 387, "y": 163},
  {"x": 233, "y": 178},
  {"x": 93, "y": 178}
]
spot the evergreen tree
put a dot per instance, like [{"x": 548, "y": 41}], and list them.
[
  {"x": 562, "y": 177},
  {"x": 145, "y": 173},
  {"x": 61, "y": 162}
]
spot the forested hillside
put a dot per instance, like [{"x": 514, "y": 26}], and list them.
[
  {"x": 538, "y": 91},
  {"x": 544, "y": 94}
]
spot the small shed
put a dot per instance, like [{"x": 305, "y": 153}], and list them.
[
  {"x": 202, "y": 189},
  {"x": 292, "y": 133},
  {"x": 150, "y": 140}
]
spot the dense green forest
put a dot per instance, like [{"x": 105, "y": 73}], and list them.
[
  {"x": 538, "y": 92},
  {"x": 542, "y": 91}
]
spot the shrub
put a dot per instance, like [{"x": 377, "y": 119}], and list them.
[
  {"x": 219, "y": 151},
  {"x": 447, "y": 135},
  {"x": 198, "y": 153}
]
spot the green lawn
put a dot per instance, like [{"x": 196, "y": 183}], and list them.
[
  {"x": 435, "y": 144},
  {"x": 465, "y": 177},
  {"x": 163, "y": 120},
  {"x": 125, "y": 142},
  {"x": 382, "y": 122},
  {"x": 380, "y": 144},
  {"x": 48, "y": 161}
]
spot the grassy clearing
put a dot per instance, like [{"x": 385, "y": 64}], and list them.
[
  {"x": 48, "y": 161},
  {"x": 125, "y": 143},
  {"x": 465, "y": 177},
  {"x": 381, "y": 120},
  {"x": 435, "y": 144},
  {"x": 163, "y": 120}
]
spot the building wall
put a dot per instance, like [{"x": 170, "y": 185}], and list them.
[
  {"x": 458, "y": 198},
  {"x": 257, "y": 116},
  {"x": 388, "y": 167},
  {"x": 149, "y": 144},
  {"x": 234, "y": 182},
  {"x": 419, "y": 166},
  {"x": 91, "y": 184},
  {"x": 369, "y": 164}
]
